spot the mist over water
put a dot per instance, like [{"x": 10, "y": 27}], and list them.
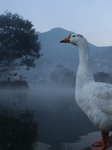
[{"x": 43, "y": 117}]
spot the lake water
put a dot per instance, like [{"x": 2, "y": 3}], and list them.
[{"x": 43, "y": 118}]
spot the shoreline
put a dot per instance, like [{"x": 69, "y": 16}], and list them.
[{"x": 109, "y": 148}]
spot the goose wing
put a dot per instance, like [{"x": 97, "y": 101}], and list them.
[{"x": 102, "y": 93}]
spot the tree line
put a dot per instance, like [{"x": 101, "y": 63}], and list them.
[{"x": 62, "y": 76}]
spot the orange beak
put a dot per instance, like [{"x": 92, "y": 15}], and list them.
[{"x": 66, "y": 40}]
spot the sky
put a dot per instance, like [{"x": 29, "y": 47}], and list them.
[{"x": 91, "y": 18}]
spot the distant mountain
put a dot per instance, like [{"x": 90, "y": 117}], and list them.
[{"x": 56, "y": 53}]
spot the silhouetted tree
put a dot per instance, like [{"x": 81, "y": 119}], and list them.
[
  {"x": 18, "y": 41},
  {"x": 63, "y": 76},
  {"x": 102, "y": 77}
]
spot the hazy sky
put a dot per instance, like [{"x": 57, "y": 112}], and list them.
[{"x": 91, "y": 18}]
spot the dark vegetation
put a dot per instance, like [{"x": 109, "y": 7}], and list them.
[
  {"x": 18, "y": 42},
  {"x": 18, "y": 47},
  {"x": 62, "y": 76},
  {"x": 16, "y": 84},
  {"x": 103, "y": 77}
]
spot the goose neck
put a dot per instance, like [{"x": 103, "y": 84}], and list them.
[{"x": 84, "y": 74}]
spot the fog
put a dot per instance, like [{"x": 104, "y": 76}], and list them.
[{"x": 42, "y": 113}]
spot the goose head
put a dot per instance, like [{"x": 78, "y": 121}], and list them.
[{"x": 74, "y": 39}]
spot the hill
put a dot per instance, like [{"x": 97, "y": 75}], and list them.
[{"x": 56, "y": 53}]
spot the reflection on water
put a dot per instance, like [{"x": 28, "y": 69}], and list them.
[
  {"x": 42, "y": 118},
  {"x": 18, "y": 133},
  {"x": 84, "y": 141}
]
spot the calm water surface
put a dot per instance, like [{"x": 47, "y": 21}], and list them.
[{"x": 43, "y": 118}]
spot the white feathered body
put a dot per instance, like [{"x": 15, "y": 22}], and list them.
[{"x": 94, "y": 98}]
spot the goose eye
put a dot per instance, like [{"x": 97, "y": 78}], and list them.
[{"x": 73, "y": 35}]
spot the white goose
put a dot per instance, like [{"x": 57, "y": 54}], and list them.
[{"x": 94, "y": 98}]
